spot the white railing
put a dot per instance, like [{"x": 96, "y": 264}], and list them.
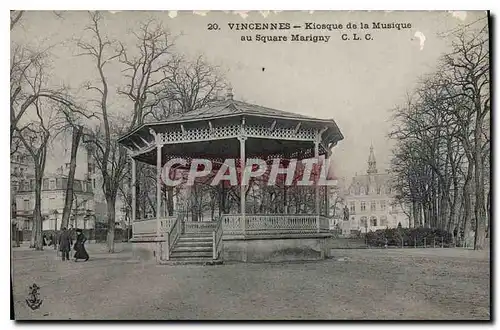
[
  {"x": 232, "y": 224},
  {"x": 217, "y": 240},
  {"x": 173, "y": 235},
  {"x": 199, "y": 227},
  {"x": 148, "y": 227},
  {"x": 324, "y": 223},
  {"x": 144, "y": 227}
]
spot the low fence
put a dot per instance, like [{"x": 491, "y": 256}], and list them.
[
  {"x": 405, "y": 238},
  {"x": 98, "y": 235}
]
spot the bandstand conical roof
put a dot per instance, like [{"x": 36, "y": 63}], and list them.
[{"x": 230, "y": 113}]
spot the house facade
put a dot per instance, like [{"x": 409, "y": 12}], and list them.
[{"x": 53, "y": 190}]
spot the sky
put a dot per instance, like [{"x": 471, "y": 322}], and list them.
[{"x": 356, "y": 83}]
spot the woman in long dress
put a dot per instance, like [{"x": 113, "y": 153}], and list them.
[{"x": 80, "y": 253}]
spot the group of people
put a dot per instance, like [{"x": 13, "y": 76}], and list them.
[{"x": 66, "y": 242}]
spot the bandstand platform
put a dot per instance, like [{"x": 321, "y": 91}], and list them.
[{"x": 231, "y": 129}]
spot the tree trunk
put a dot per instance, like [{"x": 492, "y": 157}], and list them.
[
  {"x": 415, "y": 214},
  {"x": 170, "y": 200},
  {"x": 285, "y": 197},
  {"x": 479, "y": 208},
  {"x": 110, "y": 239},
  {"x": 488, "y": 211},
  {"x": 68, "y": 200},
  {"x": 468, "y": 198},
  {"x": 37, "y": 237}
]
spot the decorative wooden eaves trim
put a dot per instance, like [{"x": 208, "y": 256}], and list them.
[{"x": 233, "y": 131}]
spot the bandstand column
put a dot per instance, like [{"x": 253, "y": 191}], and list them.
[
  {"x": 133, "y": 187},
  {"x": 158, "y": 184},
  {"x": 327, "y": 188},
  {"x": 242, "y": 139},
  {"x": 316, "y": 187}
]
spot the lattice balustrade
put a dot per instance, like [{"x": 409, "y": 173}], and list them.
[
  {"x": 281, "y": 223},
  {"x": 226, "y": 131},
  {"x": 200, "y": 134},
  {"x": 232, "y": 131},
  {"x": 166, "y": 224},
  {"x": 271, "y": 224},
  {"x": 199, "y": 227},
  {"x": 282, "y": 133},
  {"x": 232, "y": 224}
]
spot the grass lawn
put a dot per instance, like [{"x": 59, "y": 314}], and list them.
[{"x": 354, "y": 284}]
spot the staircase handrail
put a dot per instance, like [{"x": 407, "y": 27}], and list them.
[
  {"x": 173, "y": 235},
  {"x": 217, "y": 239}
]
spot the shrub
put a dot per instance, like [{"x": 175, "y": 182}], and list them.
[{"x": 409, "y": 236}]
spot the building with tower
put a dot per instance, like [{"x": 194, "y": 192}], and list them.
[{"x": 371, "y": 203}]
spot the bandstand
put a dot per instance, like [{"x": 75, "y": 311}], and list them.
[{"x": 230, "y": 129}]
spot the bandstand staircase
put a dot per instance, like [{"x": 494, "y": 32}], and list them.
[
  {"x": 194, "y": 243},
  {"x": 194, "y": 249}
]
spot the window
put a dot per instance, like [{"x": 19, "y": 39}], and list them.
[
  {"x": 362, "y": 190},
  {"x": 26, "y": 186},
  {"x": 77, "y": 185},
  {"x": 373, "y": 221},
  {"x": 382, "y": 205},
  {"x": 26, "y": 225},
  {"x": 21, "y": 169},
  {"x": 26, "y": 205},
  {"x": 363, "y": 206},
  {"x": 52, "y": 184},
  {"x": 373, "y": 206},
  {"x": 362, "y": 222},
  {"x": 352, "y": 207},
  {"x": 93, "y": 183},
  {"x": 378, "y": 190},
  {"x": 45, "y": 184},
  {"x": 16, "y": 170},
  {"x": 383, "y": 221},
  {"x": 52, "y": 201}
]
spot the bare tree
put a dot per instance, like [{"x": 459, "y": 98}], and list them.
[
  {"x": 145, "y": 72},
  {"x": 442, "y": 139},
  {"x": 28, "y": 83},
  {"x": 35, "y": 137},
  {"x": 15, "y": 16},
  {"x": 469, "y": 65},
  {"x": 110, "y": 158}
]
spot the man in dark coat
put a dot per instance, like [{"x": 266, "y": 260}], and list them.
[{"x": 65, "y": 243}]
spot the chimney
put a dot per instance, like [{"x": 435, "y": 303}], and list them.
[{"x": 229, "y": 95}]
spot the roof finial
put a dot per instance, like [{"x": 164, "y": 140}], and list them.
[{"x": 229, "y": 94}]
